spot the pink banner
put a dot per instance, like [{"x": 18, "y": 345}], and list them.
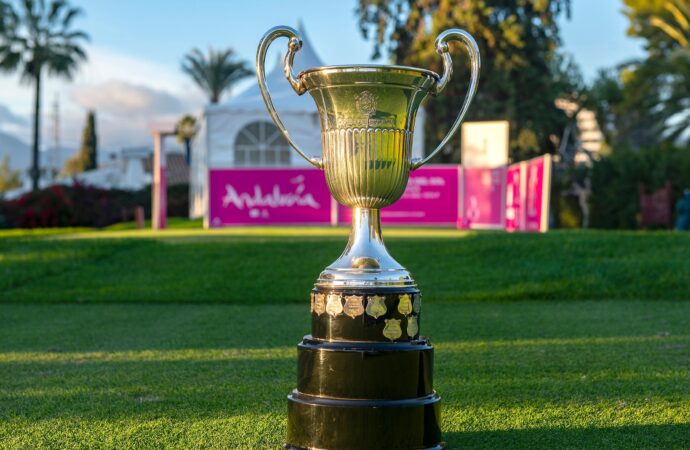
[
  {"x": 537, "y": 193},
  {"x": 162, "y": 198},
  {"x": 514, "y": 196},
  {"x": 527, "y": 195},
  {"x": 268, "y": 196},
  {"x": 431, "y": 198},
  {"x": 483, "y": 198}
]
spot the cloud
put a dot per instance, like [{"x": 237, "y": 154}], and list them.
[
  {"x": 8, "y": 117},
  {"x": 124, "y": 99},
  {"x": 130, "y": 95}
]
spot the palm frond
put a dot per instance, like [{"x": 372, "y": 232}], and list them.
[
  {"x": 9, "y": 61},
  {"x": 670, "y": 30},
  {"x": 71, "y": 14},
  {"x": 680, "y": 13},
  {"x": 55, "y": 8},
  {"x": 32, "y": 18},
  {"x": 3, "y": 17},
  {"x": 214, "y": 72}
]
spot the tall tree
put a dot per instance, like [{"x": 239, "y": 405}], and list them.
[
  {"x": 185, "y": 129},
  {"x": 37, "y": 38},
  {"x": 86, "y": 157},
  {"x": 216, "y": 72},
  {"x": 660, "y": 84},
  {"x": 518, "y": 41}
]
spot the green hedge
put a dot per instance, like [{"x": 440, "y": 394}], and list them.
[
  {"x": 616, "y": 178},
  {"x": 85, "y": 206}
]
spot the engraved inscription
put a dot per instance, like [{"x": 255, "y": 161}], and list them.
[{"x": 344, "y": 120}]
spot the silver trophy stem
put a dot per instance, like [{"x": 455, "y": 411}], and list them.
[
  {"x": 365, "y": 262},
  {"x": 365, "y": 246}
]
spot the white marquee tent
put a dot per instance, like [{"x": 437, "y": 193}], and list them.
[{"x": 240, "y": 132}]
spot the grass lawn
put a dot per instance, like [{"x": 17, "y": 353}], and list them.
[
  {"x": 186, "y": 339},
  {"x": 279, "y": 265},
  {"x": 534, "y": 374}
]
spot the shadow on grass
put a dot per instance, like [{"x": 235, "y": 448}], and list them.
[
  {"x": 204, "y": 383},
  {"x": 623, "y": 437},
  {"x": 463, "y": 330},
  {"x": 179, "y": 390}
]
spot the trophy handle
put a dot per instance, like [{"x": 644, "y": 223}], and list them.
[
  {"x": 463, "y": 36},
  {"x": 294, "y": 45}
]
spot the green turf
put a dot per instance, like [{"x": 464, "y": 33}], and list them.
[
  {"x": 279, "y": 265},
  {"x": 532, "y": 374},
  {"x": 186, "y": 339}
]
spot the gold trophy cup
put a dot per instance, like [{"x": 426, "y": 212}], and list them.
[{"x": 365, "y": 303}]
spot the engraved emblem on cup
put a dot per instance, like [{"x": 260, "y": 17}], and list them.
[
  {"x": 404, "y": 304},
  {"x": 366, "y": 103},
  {"x": 334, "y": 305},
  {"x": 412, "y": 326},
  {"x": 319, "y": 303},
  {"x": 367, "y": 115},
  {"x": 392, "y": 330},
  {"x": 376, "y": 306},
  {"x": 354, "y": 305}
]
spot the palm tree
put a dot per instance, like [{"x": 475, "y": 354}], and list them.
[
  {"x": 216, "y": 72},
  {"x": 678, "y": 29},
  {"x": 185, "y": 129},
  {"x": 674, "y": 22},
  {"x": 36, "y": 40}
]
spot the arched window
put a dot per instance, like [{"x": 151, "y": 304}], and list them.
[{"x": 261, "y": 144}]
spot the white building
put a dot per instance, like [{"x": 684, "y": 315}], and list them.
[
  {"x": 240, "y": 132},
  {"x": 587, "y": 133},
  {"x": 129, "y": 169}
]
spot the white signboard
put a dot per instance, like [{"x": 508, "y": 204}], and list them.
[{"x": 485, "y": 144}]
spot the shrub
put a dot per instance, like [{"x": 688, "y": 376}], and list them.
[
  {"x": 615, "y": 182},
  {"x": 85, "y": 206},
  {"x": 565, "y": 209}
]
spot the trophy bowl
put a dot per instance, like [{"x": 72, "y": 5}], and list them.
[
  {"x": 367, "y": 118},
  {"x": 367, "y": 115}
]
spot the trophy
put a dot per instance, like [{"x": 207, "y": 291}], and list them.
[{"x": 364, "y": 377}]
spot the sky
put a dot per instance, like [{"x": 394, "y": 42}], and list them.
[{"x": 133, "y": 78}]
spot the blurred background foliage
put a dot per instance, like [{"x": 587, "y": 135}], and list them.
[
  {"x": 615, "y": 182},
  {"x": 642, "y": 106},
  {"x": 518, "y": 41}
]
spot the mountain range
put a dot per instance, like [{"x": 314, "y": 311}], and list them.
[{"x": 20, "y": 154}]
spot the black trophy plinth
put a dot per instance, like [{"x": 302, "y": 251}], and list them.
[{"x": 364, "y": 375}]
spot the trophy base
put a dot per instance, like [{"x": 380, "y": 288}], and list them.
[
  {"x": 364, "y": 375},
  {"x": 346, "y": 424}
]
